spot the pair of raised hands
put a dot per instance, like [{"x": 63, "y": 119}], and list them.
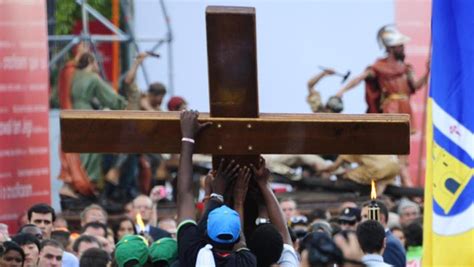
[{"x": 218, "y": 181}]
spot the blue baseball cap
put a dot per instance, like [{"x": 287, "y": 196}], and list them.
[{"x": 223, "y": 225}]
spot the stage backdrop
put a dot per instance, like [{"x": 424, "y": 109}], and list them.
[{"x": 24, "y": 144}]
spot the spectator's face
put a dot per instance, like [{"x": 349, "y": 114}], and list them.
[
  {"x": 94, "y": 215},
  {"x": 50, "y": 257},
  {"x": 31, "y": 253},
  {"x": 126, "y": 228},
  {"x": 400, "y": 236},
  {"x": 11, "y": 259},
  {"x": 155, "y": 100},
  {"x": 144, "y": 207},
  {"x": 95, "y": 231},
  {"x": 108, "y": 246},
  {"x": 83, "y": 246},
  {"x": 408, "y": 215},
  {"x": 289, "y": 209},
  {"x": 44, "y": 221}
]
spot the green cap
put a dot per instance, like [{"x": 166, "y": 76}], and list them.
[
  {"x": 131, "y": 247},
  {"x": 164, "y": 249}
]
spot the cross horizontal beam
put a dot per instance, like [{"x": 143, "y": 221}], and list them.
[{"x": 159, "y": 132}]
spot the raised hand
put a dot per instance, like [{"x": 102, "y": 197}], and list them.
[
  {"x": 241, "y": 185},
  {"x": 262, "y": 174},
  {"x": 190, "y": 126},
  {"x": 224, "y": 175}
]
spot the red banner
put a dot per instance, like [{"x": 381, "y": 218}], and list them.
[
  {"x": 413, "y": 18},
  {"x": 24, "y": 86}
]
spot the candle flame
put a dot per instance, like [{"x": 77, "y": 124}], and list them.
[
  {"x": 373, "y": 193},
  {"x": 140, "y": 222}
]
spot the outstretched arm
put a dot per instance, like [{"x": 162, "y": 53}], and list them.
[
  {"x": 262, "y": 175},
  {"x": 313, "y": 81},
  {"x": 336, "y": 164},
  {"x": 190, "y": 127},
  {"x": 132, "y": 72},
  {"x": 417, "y": 84},
  {"x": 354, "y": 82}
]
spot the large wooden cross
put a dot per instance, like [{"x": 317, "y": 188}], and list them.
[{"x": 238, "y": 130}]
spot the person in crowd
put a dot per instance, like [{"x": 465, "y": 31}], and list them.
[
  {"x": 31, "y": 247},
  {"x": 318, "y": 249},
  {"x": 125, "y": 226},
  {"x": 131, "y": 250},
  {"x": 62, "y": 235},
  {"x": 43, "y": 216},
  {"x": 399, "y": 234},
  {"x": 143, "y": 205},
  {"x": 83, "y": 243},
  {"x": 31, "y": 229},
  {"x": 299, "y": 225},
  {"x": 163, "y": 252},
  {"x": 408, "y": 211},
  {"x": 13, "y": 255},
  {"x": 60, "y": 222},
  {"x": 223, "y": 244},
  {"x": 95, "y": 229},
  {"x": 321, "y": 226},
  {"x": 349, "y": 218},
  {"x": 89, "y": 91},
  {"x": 371, "y": 237},
  {"x": 51, "y": 254},
  {"x": 394, "y": 253},
  {"x": 93, "y": 213},
  {"x": 289, "y": 208},
  {"x": 154, "y": 98},
  {"x": 169, "y": 225},
  {"x": 271, "y": 242},
  {"x": 177, "y": 103},
  {"x": 95, "y": 257},
  {"x": 414, "y": 244}
]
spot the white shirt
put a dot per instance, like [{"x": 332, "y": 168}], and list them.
[
  {"x": 288, "y": 257},
  {"x": 374, "y": 260}
]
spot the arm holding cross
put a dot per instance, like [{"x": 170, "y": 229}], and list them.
[
  {"x": 190, "y": 127},
  {"x": 262, "y": 175}
]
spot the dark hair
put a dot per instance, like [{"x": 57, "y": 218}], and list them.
[
  {"x": 84, "y": 238},
  {"x": 370, "y": 235},
  {"x": 51, "y": 243},
  {"x": 96, "y": 225},
  {"x": 41, "y": 208},
  {"x": 94, "y": 257},
  {"x": 157, "y": 89},
  {"x": 9, "y": 245},
  {"x": 267, "y": 244},
  {"x": 116, "y": 227},
  {"x": 322, "y": 251},
  {"x": 413, "y": 234},
  {"x": 317, "y": 214},
  {"x": 84, "y": 61},
  {"x": 23, "y": 239},
  {"x": 382, "y": 206},
  {"x": 61, "y": 236}
]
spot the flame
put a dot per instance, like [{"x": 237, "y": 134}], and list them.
[
  {"x": 373, "y": 193},
  {"x": 140, "y": 222}
]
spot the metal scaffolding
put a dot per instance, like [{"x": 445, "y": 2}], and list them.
[{"x": 118, "y": 35}]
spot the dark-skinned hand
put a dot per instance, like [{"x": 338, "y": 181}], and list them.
[
  {"x": 262, "y": 174},
  {"x": 190, "y": 126},
  {"x": 241, "y": 186},
  {"x": 223, "y": 175}
]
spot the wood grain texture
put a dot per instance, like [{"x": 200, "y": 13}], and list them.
[{"x": 136, "y": 131}]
